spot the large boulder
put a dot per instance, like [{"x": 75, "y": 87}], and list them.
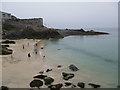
[
  {"x": 73, "y": 67},
  {"x": 55, "y": 87},
  {"x": 94, "y": 85},
  {"x": 81, "y": 84},
  {"x": 4, "y": 88},
  {"x": 67, "y": 76},
  {"x": 48, "y": 80},
  {"x": 36, "y": 83},
  {"x": 40, "y": 76}
]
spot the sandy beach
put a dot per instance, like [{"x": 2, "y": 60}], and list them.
[{"x": 18, "y": 69}]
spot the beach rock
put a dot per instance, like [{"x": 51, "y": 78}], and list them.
[
  {"x": 118, "y": 86},
  {"x": 73, "y": 86},
  {"x": 59, "y": 66},
  {"x": 68, "y": 84},
  {"x": 48, "y": 80},
  {"x": 73, "y": 67},
  {"x": 40, "y": 76},
  {"x": 81, "y": 84},
  {"x": 4, "y": 88},
  {"x": 55, "y": 87},
  {"x": 94, "y": 85},
  {"x": 8, "y": 42},
  {"x": 48, "y": 70},
  {"x": 5, "y": 50},
  {"x": 41, "y": 72},
  {"x": 67, "y": 76},
  {"x": 36, "y": 83},
  {"x": 5, "y": 46}
]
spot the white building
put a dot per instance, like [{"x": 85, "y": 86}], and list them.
[{"x": 4, "y": 16}]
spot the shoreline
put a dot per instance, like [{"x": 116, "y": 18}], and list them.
[{"x": 19, "y": 72}]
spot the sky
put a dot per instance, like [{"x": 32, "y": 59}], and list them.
[{"x": 72, "y": 15}]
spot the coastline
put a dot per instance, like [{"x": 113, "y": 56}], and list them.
[{"x": 20, "y": 71}]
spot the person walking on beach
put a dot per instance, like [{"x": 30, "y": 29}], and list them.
[
  {"x": 29, "y": 55},
  {"x": 43, "y": 56},
  {"x": 23, "y": 46},
  {"x": 36, "y": 51}
]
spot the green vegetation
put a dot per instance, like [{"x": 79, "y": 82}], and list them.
[{"x": 7, "y": 26}]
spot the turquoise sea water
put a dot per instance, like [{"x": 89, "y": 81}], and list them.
[{"x": 96, "y": 56}]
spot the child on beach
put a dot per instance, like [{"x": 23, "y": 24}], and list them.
[{"x": 36, "y": 51}]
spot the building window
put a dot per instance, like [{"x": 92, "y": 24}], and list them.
[
  {"x": 8, "y": 15},
  {"x": 3, "y": 15}
]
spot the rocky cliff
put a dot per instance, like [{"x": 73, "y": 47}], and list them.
[{"x": 27, "y": 28}]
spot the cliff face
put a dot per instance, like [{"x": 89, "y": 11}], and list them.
[{"x": 27, "y": 28}]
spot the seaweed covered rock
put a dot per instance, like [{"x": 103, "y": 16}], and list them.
[
  {"x": 48, "y": 80},
  {"x": 36, "y": 83},
  {"x": 40, "y": 76},
  {"x": 73, "y": 67},
  {"x": 41, "y": 72},
  {"x": 4, "y": 88},
  {"x": 67, "y": 76},
  {"x": 5, "y": 50},
  {"x": 81, "y": 84},
  {"x": 55, "y": 87}
]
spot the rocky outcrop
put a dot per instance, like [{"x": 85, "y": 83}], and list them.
[
  {"x": 73, "y": 67},
  {"x": 4, "y": 88},
  {"x": 36, "y": 83},
  {"x": 81, "y": 84},
  {"x": 31, "y": 34},
  {"x": 16, "y": 29},
  {"x": 48, "y": 80},
  {"x": 80, "y": 32},
  {"x": 67, "y": 76}
]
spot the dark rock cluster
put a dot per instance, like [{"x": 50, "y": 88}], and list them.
[{"x": 42, "y": 79}]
